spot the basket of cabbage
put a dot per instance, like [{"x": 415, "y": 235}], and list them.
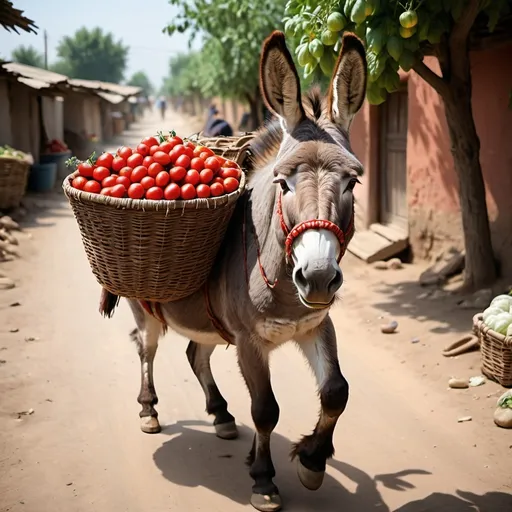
[{"x": 494, "y": 329}]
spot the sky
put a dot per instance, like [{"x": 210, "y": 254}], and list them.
[{"x": 138, "y": 23}]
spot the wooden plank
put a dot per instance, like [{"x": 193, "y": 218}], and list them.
[
  {"x": 391, "y": 232},
  {"x": 370, "y": 246}
]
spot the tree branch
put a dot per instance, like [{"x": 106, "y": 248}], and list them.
[{"x": 433, "y": 79}]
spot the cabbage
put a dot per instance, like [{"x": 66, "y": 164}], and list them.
[
  {"x": 504, "y": 302},
  {"x": 499, "y": 323},
  {"x": 491, "y": 310}
]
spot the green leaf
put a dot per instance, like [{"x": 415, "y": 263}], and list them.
[
  {"x": 407, "y": 60},
  {"x": 395, "y": 47}
]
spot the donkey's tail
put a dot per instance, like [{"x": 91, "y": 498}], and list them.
[{"x": 108, "y": 303}]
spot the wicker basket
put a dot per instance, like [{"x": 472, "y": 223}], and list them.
[
  {"x": 231, "y": 148},
  {"x": 496, "y": 352},
  {"x": 13, "y": 181}
]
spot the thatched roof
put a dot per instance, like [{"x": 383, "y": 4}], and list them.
[{"x": 12, "y": 19}]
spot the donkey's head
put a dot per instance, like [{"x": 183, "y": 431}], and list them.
[{"x": 315, "y": 167}]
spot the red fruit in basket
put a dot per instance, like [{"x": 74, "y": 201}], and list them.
[
  {"x": 162, "y": 158},
  {"x": 154, "y": 149},
  {"x": 198, "y": 150},
  {"x": 230, "y": 172},
  {"x": 203, "y": 190},
  {"x": 125, "y": 152},
  {"x": 192, "y": 177},
  {"x": 136, "y": 191},
  {"x": 109, "y": 181},
  {"x": 212, "y": 163},
  {"x": 143, "y": 150},
  {"x": 92, "y": 186},
  {"x": 189, "y": 149},
  {"x": 149, "y": 142},
  {"x": 105, "y": 160},
  {"x": 206, "y": 176},
  {"x": 176, "y": 152},
  {"x": 154, "y": 169},
  {"x": 118, "y": 190},
  {"x": 175, "y": 139},
  {"x": 183, "y": 161},
  {"x": 197, "y": 164},
  {"x": 134, "y": 160},
  {"x": 231, "y": 163},
  {"x": 107, "y": 191},
  {"x": 188, "y": 191},
  {"x": 155, "y": 193},
  {"x": 204, "y": 155},
  {"x": 85, "y": 169},
  {"x": 138, "y": 173},
  {"x": 148, "y": 160},
  {"x": 230, "y": 185},
  {"x": 162, "y": 179},
  {"x": 118, "y": 163},
  {"x": 123, "y": 180},
  {"x": 100, "y": 173},
  {"x": 147, "y": 182},
  {"x": 217, "y": 189},
  {"x": 172, "y": 191},
  {"x": 166, "y": 147},
  {"x": 177, "y": 173},
  {"x": 207, "y": 152},
  {"x": 126, "y": 171},
  {"x": 79, "y": 182}
]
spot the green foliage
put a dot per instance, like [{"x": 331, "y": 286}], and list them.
[
  {"x": 140, "y": 79},
  {"x": 28, "y": 55},
  {"x": 93, "y": 55},
  {"x": 397, "y": 33}
]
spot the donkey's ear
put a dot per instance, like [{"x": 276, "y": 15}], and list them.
[
  {"x": 348, "y": 84},
  {"x": 279, "y": 82}
]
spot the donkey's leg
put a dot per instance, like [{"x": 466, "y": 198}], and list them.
[
  {"x": 199, "y": 358},
  {"x": 146, "y": 337},
  {"x": 253, "y": 361},
  {"x": 313, "y": 450}
]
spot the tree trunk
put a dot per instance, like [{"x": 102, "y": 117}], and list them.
[
  {"x": 255, "y": 110},
  {"x": 480, "y": 267}
]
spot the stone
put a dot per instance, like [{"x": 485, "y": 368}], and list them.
[
  {"x": 7, "y": 223},
  {"x": 455, "y": 383},
  {"x": 479, "y": 300},
  {"x": 380, "y": 265},
  {"x": 477, "y": 381},
  {"x": 447, "y": 264},
  {"x": 464, "y": 419},
  {"x": 390, "y": 327},
  {"x": 395, "y": 264},
  {"x": 6, "y": 283},
  {"x": 503, "y": 417}
]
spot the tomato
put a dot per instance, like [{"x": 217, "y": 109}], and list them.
[
  {"x": 166, "y": 147},
  {"x": 149, "y": 141},
  {"x": 92, "y": 186},
  {"x": 183, "y": 161},
  {"x": 230, "y": 172},
  {"x": 204, "y": 155},
  {"x": 85, "y": 169},
  {"x": 135, "y": 160},
  {"x": 205, "y": 151},
  {"x": 126, "y": 171},
  {"x": 154, "y": 169},
  {"x": 136, "y": 191},
  {"x": 162, "y": 179},
  {"x": 203, "y": 190},
  {"x": 221, "y": 160},
  {"x": 143, "y": 150},
  {"x": 172, "y": 191},
  {"x": 177, "y": 173},
  {"x": 123, "y": 180},
  {"x": 155, "y": 193},
  {"x": 118, "y": 163},
  {"x": 138, "y": 173},
  {"x": 175, "y": 140},
  {"x": 198, "y": 150},
  {"x": 118, "y": 190},
  {"x": 107, "y": 191},
  {"x": 197, "y": 164},
  {"x": 105, "y": 160},
  {"x": 109, "y": 181},
  {"x": 192, "y": 177},
  {"x": 188, "y": 191},
  {"x": 79, "y": 182},
  {"x": 230, "y": 185},
  {"x": 218, "y": 180},
  {"x": 100, "y": 173},
  {"x": 147, "y": 182},
  {"x": 154, "y": 149},
  {"x": 212, "y": 163},
  {"x": 148, "y": 160},
  {"x": 176, "y": 152},
  {"x": 162, "y": 158},
  {"x": 217, "y": 189},
  {"x": 206, "y": 176},
  {"x": 125, "y": 152},
  {"x": 230, "y": 163}
]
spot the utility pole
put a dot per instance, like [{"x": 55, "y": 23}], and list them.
[{"x": 45, "y": 50}]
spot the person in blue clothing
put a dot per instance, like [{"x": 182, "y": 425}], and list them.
[{"x": 215, "y": 126}]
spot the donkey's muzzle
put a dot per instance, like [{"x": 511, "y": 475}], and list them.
[{"x": 317, "y": 282}]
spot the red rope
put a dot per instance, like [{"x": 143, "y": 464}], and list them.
[{"x": 213, "y": 319}]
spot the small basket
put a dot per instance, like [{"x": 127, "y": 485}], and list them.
[
  {"x": 13, "y": 181},
  {"x": 496, "y": 352},
  {"x": 231, "y": 148}
]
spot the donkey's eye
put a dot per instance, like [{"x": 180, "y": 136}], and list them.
[
  {"x": 283, "y": 184},
  {"x": 352, "y": 184}
]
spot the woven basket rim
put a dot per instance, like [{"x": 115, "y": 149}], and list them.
[
  {"x": 15, "y": 160},
  {"x": 479, "y": 324},
  {"x": 152, "y": 205}
]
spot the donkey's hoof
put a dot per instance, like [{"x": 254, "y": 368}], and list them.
[
  {"x": 150, "y": 425},
  {"x": 311, "y": 480},
  {"x": 226, "y": 430},
  {"x": 266, "y": 502}
]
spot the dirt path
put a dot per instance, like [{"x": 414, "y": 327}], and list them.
[{"x": 399, "y": 446}]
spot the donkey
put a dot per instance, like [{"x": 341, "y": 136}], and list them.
[{"x": 277, "y": 272}]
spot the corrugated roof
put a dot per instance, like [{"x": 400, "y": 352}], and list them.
[
  {"x": 12, "y": 19},
  {"x": 30, "y": 72},
  {"x": 115, "y": 99},
  {"x": 123, "y": 90}
]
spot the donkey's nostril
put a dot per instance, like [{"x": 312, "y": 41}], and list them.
[
  {"x": 300, "y": 280},
  {"x": 336, "y": 282}
]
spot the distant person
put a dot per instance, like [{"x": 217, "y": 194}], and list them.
[
  {"x": 215, "y": 126},
  {"x": 162, "y": 105},
  {"x": 244, "y": 122}
]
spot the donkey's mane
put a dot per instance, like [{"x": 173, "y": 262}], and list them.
[{"x": 265, "y": 145}]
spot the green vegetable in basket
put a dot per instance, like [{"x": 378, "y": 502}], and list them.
[
  {"x": 509, "y": 330},
  {"x": 504, "y": 302},
  {"x": 499, "y": 323},
  {"x": 491, "y": 310},
  {"x": 8, "y": 152}
]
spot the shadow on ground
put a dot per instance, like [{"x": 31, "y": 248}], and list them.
[{"x": 195, "y": 458}]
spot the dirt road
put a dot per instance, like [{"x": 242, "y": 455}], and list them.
[{"x": 399, "y": 446}]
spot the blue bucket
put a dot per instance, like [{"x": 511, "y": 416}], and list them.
[
  {"x": 42, "y": 177},
  {"x": 60, "y": 160}
]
